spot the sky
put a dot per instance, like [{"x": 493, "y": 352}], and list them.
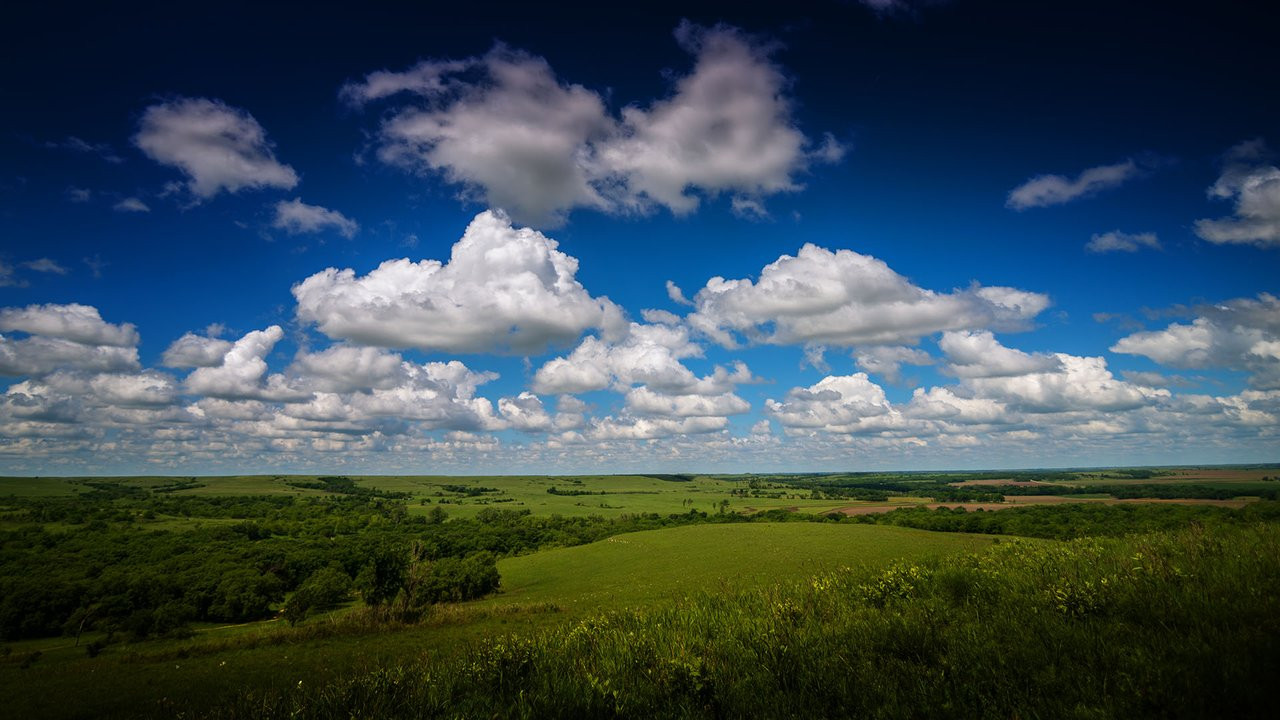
[{"x": 716, "y": 237}]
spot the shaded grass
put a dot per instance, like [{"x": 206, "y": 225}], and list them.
[{"x": 1180, "y": 624}]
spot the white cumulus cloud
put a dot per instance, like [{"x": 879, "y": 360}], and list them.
[
  {"x": 191, "y": 351},
  {"x": 503, "y": 289},
  {"x": 1240, "y": 334},
  {"x": 844, "y": 298},
  {"x": 217, "y": 147}
]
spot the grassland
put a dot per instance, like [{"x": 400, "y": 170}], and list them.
[
  {"x": 643, "y": 570},
  {"x": 729, "y": 606},
  {"x": 1170, "y": 625}
]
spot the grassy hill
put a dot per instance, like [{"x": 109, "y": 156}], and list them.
[{"x": 647, "y": 568}]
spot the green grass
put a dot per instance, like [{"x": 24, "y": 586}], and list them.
[
  {"x": 1183, "y": 624},
  {"x": 646, "y": 568},
  {"x": 38, "y": 487},
  {"x": 638, "y": 570}
]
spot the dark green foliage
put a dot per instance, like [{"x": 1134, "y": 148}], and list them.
[
  {"x": 1073, "y": 520},
  {"x": 454, "y": 579},
  {"x": 323, "y": 590},
  {"x": 344, "y": 486},
  {"x": 469, "y": 490},
  {"x": 553, "y": 490}
]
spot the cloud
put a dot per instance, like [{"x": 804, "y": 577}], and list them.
[
  {"x": 343, "y": 368},
  {"x": 979, "y": 354},
  {"x": 192, "y": 351},
  {"x": 79, "y": 195},
  {"x": 64, "y": 337},
  {"x": 648, "y": 355},
  {"x": 676, "y": 294},
  {"x": 1116, "y": 241},
  {"x": 132, "y": 204},
  {"x": 8, "y": 278},
  {"x": 840, "y": 403},
  {"x": 75, "y": 144},
  {"x": 45, "y": 265},
  {"x": 1241, "y": 334},
  {"x": 242, "y": 373},
  {"x": 643, "y": 401},
  {"x": 504, "y": 289},
  {"x": 35, "y": 356},
  {"x": 885, "y": 8},
  {"x": 516, "y": 137},
  {"x": 294, "y": 216},
  {"x": 1078, "y": 383},
  {"x": 1254, "y": 186},
  {"x": 885, "y": 361},
  {"x": 76, "y": 323},
  {"x": 843, "y": 298},
  {"x": 217, "y": 147},
  {"x": 1047, "y": 190}
]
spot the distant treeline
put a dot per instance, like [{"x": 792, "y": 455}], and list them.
[{"x": 343, "y": 486}]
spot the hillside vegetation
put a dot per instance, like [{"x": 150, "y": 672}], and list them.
[{"x": 1180, "y": 624}]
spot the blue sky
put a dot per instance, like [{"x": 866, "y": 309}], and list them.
[{"x": 825, "y": 236}]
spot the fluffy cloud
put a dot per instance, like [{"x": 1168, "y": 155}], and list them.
[
  {"x": 841, "y": 403},
  {"x": 1046, "y": 190},
  {"x": 1240, "y": 334},
  {"x": 294, "y": 216},
  {"x": 1116, "y": 241},
  {"x": 503, "y": 289},
  {"x": 887, "y": 360},
  {"x": 242, "y": 373},
  {"x": 518, "y": 138},
  {"x": 727, "y": 128},
  {"x": 979, "y": 354},
  {"x": 433, "y": 396},
  {"x": 216, "y": 146},
  {"x": 648, "y": 355},
  {"x": 1254, "y": 186},
  {"x": 76, "y": 323},
  {"x": 43, "y": 355},
  {"x": 844, "y": 298},
  {"x": 343, "y": 368},
  {"x": 1079, "y": 383},
  {"x": 191, "y": 351},
  {"x": 64, "y": 337},
  {"x": 643, "y": 401}
]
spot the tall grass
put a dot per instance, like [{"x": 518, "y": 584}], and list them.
[{"x": 1177, "y": 624}]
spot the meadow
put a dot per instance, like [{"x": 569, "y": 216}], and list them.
[{"x": 638, "y": 595}]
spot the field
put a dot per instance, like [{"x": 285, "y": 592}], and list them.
[
  {"x": 637, "y": 570},
  {"x": 261, "y": 596}
]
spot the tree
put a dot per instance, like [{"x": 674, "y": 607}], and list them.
[{"x": 323, "y": 590}]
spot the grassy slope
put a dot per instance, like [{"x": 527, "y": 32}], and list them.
[
  {"x": 645, "y": 569},
  {"x": 1169, "y": 625},
  {"x": 648, "y": 567}
]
